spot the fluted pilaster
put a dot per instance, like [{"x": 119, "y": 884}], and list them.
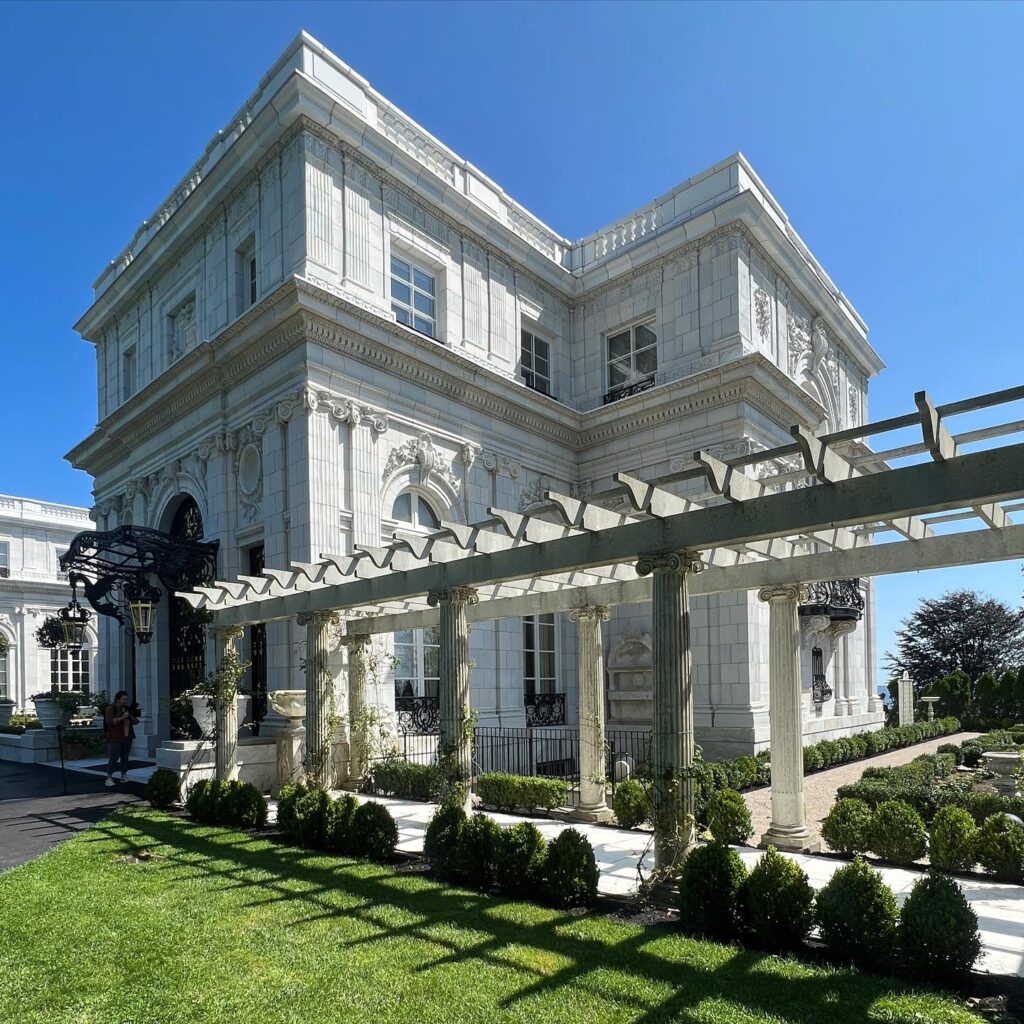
[
  {"x": 788, "y": 827},
  {"x": 590, "y": 660},
  {"x": 358, "y": 646},
  {"x": 225, "y": 753},
  {"x": 453, "y": 686},
  {"x": 319, "y": 697},
  {"x": 672, "y": 734}
]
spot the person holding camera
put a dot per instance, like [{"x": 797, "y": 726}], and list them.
[{"x": 120, "y": 720}]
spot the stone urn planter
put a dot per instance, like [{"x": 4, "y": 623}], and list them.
[
  {"x": 6, "y": 710},
  {"x": 291, "y": 741},
  {"x": 1003, "y": 764},
  {"x": 204, "y": 715},
  {"x": 50, "y": 712}
]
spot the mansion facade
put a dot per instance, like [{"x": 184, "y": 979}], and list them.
[{"x": 336, "y": 328}]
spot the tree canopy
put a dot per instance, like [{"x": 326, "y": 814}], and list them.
[{"x": 962, "y": 631}]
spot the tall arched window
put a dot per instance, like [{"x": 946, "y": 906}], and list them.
[
  {"x": 5, "y": 661},
  {"x": 417, "y": 670}
]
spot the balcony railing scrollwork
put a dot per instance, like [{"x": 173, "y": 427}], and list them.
[
  {"x": 420, "y": 716},
  {"x": 625, "y": 390},
  {"x": 544, "y": 709},
  {"x": 840, "y": 600}
]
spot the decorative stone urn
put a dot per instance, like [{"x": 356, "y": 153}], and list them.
[
  {"x": 291, "y": 741},
  {"x": 50, "y": 712},
  {"x": 6, "y": 710},
  {"x": 1003, "y": 764},
  {"x": 203, "y": 713}
]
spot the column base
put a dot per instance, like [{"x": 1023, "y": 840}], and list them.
[
  {"x": 791, "y": 839},
  {"x": 591, "y": 814}
]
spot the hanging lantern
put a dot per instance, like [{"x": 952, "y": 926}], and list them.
[
  {"x": 142, "y": 601},
  {"x": 72, "y": 623}
]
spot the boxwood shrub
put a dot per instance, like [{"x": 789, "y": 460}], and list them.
[
  {"x": 520, "y": 859},
  {"x": 508, "y": 792},
  {"x": 1001, "y": 848},
  {"x": 442, "y": 836},
  {"x": 857, "y": 915},
  {"x": 287, "y": 798},
  {"x": 339, "y": 833},
  {"x": 476, "y": 852},
  {"x": 898, "y": 833},
  {"x": 404, "y": 780},
  {"x": 847, "y": 827},
  {"x": 777, "y": 902},
  {"x": 570, "y": 871},
  {"x": 953, "y": 840},
  {"x": 938, "y": 932},
  {"x": 728, "y": 818},
  {"x": 631, "y": 803},
  {"x": 372, "y": 832},
  {"x": 710, "y": 885},
  {"x": 162, "y": 788}
]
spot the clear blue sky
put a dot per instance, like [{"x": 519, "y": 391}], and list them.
[{"x": 890, "y": 133}]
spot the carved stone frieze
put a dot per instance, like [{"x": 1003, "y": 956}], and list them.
[{"x": 421, "y": 451}]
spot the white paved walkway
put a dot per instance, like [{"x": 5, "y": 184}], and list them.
[{"x": 1000, "y": 907}]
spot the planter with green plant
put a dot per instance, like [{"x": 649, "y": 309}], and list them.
[
  {"x": 6, "y": 710},
  {"x": 55, "y": 707}
]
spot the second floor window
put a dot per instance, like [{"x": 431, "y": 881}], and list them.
[
  {"x": 414, "y": 296},
  {"x": 245, "y": 276},
  {"x": 535, "y": 362},
  {"x": 632, "y": 358},
  {"x": 538, "y": 654},
  {"x": 128, "y": 369},
  {"x": 181, "y": 328},
  {"x": 5, "y": 558},
  {"x": 69, "y": 670}
]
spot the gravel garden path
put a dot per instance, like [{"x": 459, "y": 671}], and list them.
[{"x": 820, "y": 788}]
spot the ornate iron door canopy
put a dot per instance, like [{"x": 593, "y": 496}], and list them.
[
  {"x": 840, "y": 600},
  {"x": 112, "y": 566}
]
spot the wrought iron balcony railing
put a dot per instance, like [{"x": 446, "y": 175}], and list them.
[
  {"x": 544, "y": 709},
  {"x": 838, "y": 599},
  {"x": 625, "y": 390},
  {"x": 419, "y": 716}
]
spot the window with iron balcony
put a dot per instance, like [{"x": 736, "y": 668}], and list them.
[{"x": 632, "y": 360}]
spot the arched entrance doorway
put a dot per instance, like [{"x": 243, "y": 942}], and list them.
[{"x": 186, "y": 629}]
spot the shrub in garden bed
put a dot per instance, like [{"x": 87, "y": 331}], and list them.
[
  {"x": 848, "y": 826},
  {"x": 476, "y": 851},
  {"x": 570, "y": 871},
  {"x": 507, "y": 792},
  {"x": 898, "y": 833},
  {"x": 857, "y": 915},
  {"x": 372, "y": 832},
  {"x": 631, "y": 803},
  {"x": 520, "y": 859},
  {"x": 710, "y": 884},
  {"x": 1001, "y": 848},
  {"x": 339, "y": 832},
  {"x": 953, "y": 840},
  {"x": 232, "y": 804},
  {"x": 310, "y": 819},
  {"x": 441, "y": 838},
  {"x": 938, "y": 932},
  {"x": 162, "y": 788},
  {"x": 777, "y": 902},
  {"x": 728, "y": 818},
  {"x": 287, "y": 798},
  {"x": 404, "y": 780}
]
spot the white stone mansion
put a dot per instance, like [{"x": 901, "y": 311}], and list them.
[{"x": 335, "y": 327}]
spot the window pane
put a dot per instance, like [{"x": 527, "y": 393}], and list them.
[
  {"x": 425, "y": 304},
  {"x": 529, "y": 668},
  {"x": 618, "y": 345},
  {"x": 400, "y": 268},
  {"x": 402, "y": 509},
  {"x": 422, "y": 281},
  {"x": 431, "y": 661},
  {"x": 527, "y": 359},
  {"x": 542, "y": 366},
  {"x": 547, "y": 664},
  {"x": 400, "y": 292},
  {"x": 424, "y": 326},
  {"x": 542, "y": 348},
  {"x": 403, "y": 636},
  {"x": 427, "y": 517},
  {"x": 403, "y": 316},
  {"x": 432, "y": 635},
  {"x": 645, "y": 337},
  {"x": 526, "y": 338},
  {"x": 618, "y": 374},
  {"x": 647, "y": 360},
  {"x": 528, "y": 633}
]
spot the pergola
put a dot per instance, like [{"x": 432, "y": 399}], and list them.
[{"x": 759, "y": 525}]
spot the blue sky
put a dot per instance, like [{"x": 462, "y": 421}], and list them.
[{"x": 890, "y": 133}]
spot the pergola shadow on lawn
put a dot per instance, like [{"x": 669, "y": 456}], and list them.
[{"x": 553, "y": 951}]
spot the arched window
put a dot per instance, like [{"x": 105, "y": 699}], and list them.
[
  {"x": 414, "y": 510},
  {"x": 5, "y": 654}
]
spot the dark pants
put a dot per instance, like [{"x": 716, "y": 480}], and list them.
[{"x": 119, "y": 751}]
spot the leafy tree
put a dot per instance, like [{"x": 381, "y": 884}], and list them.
[{"x": 962, "y": 631}]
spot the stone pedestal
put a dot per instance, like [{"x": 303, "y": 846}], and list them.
[
  {"x": 929, "y": 703},
  {"x": 290, "y": 741},
  {"x": 1003, "y": 764},
  {"x": 319, "y": 697},
  {"x": 672, "y": 734},
  {"x": 226, "y": 711},
  {"x": 590, "y": 659},
  {"x": 788, "y": 829},
  {"x": 357, "y": 645},
  {"x": 905, "y": 695},
  {"x": 453, "y": 685}
]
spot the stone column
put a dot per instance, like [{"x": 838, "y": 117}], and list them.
[
  {"x": 672, "y": 734},
  {"x": 905, "y": 695},
  {"x": 225, "y": 752},
  {"x": 357, "y": 644},
  {"x": 839, "y": 631},
  {"x": 788, "y": 829},
  {"x": 590, "y": 661},
  {"x": 319, "y": 697},
  {"x": 456, "y": 732}
]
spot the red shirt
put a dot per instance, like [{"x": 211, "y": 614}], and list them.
[{"x": 118, "y": 724}]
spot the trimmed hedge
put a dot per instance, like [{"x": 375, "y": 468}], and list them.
[
  {"x": 728, "y": 818},
  {"x": 857, "y": 915},
  {"x": 507, "y": 792},
  {"x": 898, "y": 833},
  {"x": 476, "y": 852},
  {"x": 711, "y": 881},
  {"x": 442, "y": 836},
  {"x": 847, "y": 828},
  {"x": 372, "y": 832},
  {"x": 953, "y": 840},
  {"x": 1001, "y": 848},
  {"x": 520, "y": 860},
  {"x": 311, "y": 818},
  {"x": 162, "y": 788},
  {"x": 777, "y": 902},
  {"x": 233, "y": 804},
  {"x": 631, "y": 803},
  {"x": 938, "y": 932},
  {"x": 404, "y": 780},
  {"x": 570, "y": 870}
]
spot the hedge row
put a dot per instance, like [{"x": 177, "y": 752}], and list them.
[
  {"x": 829, "y": 753},
  {"x": 232, "y": 804},
  {"x": 518, "y": 861},
  {"x": 404, "y": 780},
  {"x": 933, "y": 938},
  {"x": 509, "y": 792},
  {"x": 312, "y": 818}
]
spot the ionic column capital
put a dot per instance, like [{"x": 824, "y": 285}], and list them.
[
  {"x": 228, "y": 634},
  {"x": 320, "y": 618},
  {"x": 669, "y": 561},
  {"x": 355, "y": 642},
  {"x": 453, "y": 595},
  {"x": 590, "y": 613},
  {"x": 795, "y": 592}
]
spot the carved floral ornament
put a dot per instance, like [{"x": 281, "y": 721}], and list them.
[{"x": 420, "y": 451}]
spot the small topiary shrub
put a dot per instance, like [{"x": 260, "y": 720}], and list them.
[
  {"x": 373, "y": 832},
  {"x": 286, "y": 801},
  {"x": 970, "y": 753},
  {"x": 898, "y": 833},
  {"x": 339, "y": 824},
  {"x": 938, "y": 932},
  {"x": 953, "y": 841},
  {"x": 476, "y": 852},
  {"x": 508, "y": 792},
  {"x": 1001, "y": 848},
  {"x": 777, "y": 902},
  {"x": 631, "y": 803},
  {"x": 847, "y": 827},
  {"x": 309, "y": 819},
  {"x": 857, "y": 915},
  {"x": 242, "y": 806},
  {"x": 520, "y": 859},
  {"x": 198, "y": 799},
  {"x": 570, "y": 871},
  {"x": 728, "y": 818},
  {"x": 710, "y": 886},
  {"x": 812, "y": 759},
  {"x": 162, "y": 788},
  {"x": 952, "y": 748},
  {"x": 205, "y": 799},
  {"x": 442, "y": 836}
]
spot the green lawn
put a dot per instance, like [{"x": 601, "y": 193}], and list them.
[{"x": 219, "y": 926}]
